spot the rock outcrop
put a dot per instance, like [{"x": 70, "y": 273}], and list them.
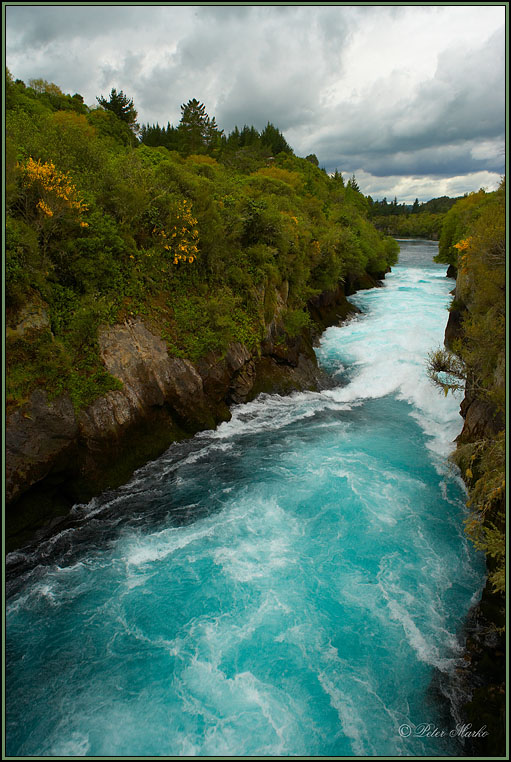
[
  {"x": 56, "y": 457},
  {"x": 481, "y": 680},
  {"x": 480, "y": 419},
  {"x": 41, "y": 442}
]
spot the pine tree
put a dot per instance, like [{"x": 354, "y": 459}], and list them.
[
  {"x": 122, "y": 106},
  {"x": 197, "y": 132},
  {"x": 274, "y": 139},
  {"x": 213, "y": 135},
  {"x": 352, "y": 183},
  {"x": 233, "y": 140},
  {"x": 337, "y": 176}
]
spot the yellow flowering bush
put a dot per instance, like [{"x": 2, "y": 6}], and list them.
[
  {"x": 181, "y": 240},
  {"x": 54, "y": 188},
  {"x": 463, "y": 247},
  {"x": 463, "y": 244}
]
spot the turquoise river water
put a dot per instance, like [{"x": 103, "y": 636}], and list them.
[{"x": 292, "y": 583}]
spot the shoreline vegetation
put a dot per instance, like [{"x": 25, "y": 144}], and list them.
[
  {"x": 215, "y": 256},
  {"x": 473, "y": 245},
  {"x": 410, "y": 220},
  {"x": 156, "y": 275}
]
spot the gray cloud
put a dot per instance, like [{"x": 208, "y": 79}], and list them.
[
  {"x": 387, "y": 90},
  {"x": 40, "y": 26},
  {"x": 436, "y": 130}
]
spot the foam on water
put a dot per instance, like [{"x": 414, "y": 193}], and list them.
[
  {"x": 387, "y": 347},
  {"x": 288, "y": 584}
]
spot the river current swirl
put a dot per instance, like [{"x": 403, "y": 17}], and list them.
[{"x": 292, "y": 583}]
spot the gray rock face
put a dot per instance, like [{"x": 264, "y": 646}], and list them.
[
  {"x": 453, "y": 329},
  {"x": 149, "y": 376},
  {"x": 162, "y": 400},
  {"x": 480, "y": 419},
  {"x": 46, "y": 438},
  {"x": 39, "y": 441}
]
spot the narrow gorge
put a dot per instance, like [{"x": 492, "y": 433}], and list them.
[{"x": 295, "y": 581}]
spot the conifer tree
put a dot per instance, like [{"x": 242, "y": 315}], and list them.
[
  {"x": 352, "y": 183},
  {"x": 272, "y": 137},
  {"x": 197, "y": 132},
  {"x": 122, "y": 106}
]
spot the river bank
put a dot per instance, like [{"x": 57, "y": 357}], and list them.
[
  {"x": 480, "y": 686},
  {"x": 268, "y": 574},
  {"x": 56, "y": 458}
]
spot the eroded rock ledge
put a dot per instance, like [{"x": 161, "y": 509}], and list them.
[
  {"x": 56, "y": 458},
  {"x": 481, "y": 680}
]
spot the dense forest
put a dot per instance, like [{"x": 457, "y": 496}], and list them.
[
  {"x": 422, "y": 220},
  {"x": 194, "y": 231}
]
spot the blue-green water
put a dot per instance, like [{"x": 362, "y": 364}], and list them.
[{"x": 289, "y": 584}]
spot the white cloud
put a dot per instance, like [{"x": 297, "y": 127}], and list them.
[
  {"x": 410, "y": 90},
  {"x": 408, "y": 188}
]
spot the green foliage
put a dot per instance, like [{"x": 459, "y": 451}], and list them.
[
  {"x": 457, "y": 220},
  {"x": 203, "y": 324},
  {"x": 122, "y": 106},
  {"x": 197, "y": 133},
  {"x": 475, "y": 230},
  {"x": 39, "y": 358},
  {"x": 110, "y": 127},
  {"x": 21, "y": 261},
  {"x": 295, "y": 321},
  {"x": 483, "y": 465},
  {"x": 481, "y": 286},
  {"x": 198, "y": 240},
  {"x": 473, "y": 238}
]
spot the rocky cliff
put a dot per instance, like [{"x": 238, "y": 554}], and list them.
[
  {"x": 56, "y": 456},
  {"x": 481, "y": 681}
]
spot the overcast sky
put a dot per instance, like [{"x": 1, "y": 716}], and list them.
[{"x": 409, "y": 98}]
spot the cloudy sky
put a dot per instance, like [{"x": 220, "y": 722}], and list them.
[{"x": 409, "y": 98}]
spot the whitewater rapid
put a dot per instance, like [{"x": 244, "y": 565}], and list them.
[{"x": 292, "y": 583}]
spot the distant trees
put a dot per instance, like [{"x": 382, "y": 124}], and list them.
[
  {"x": 122, "y": 107},
  {"x": 154, "y": 135},
  {"x": 269, "y": 141},
  {"x": 338, "y": 178},
  {"x": 418, "y": 219},
  {"x": 197, "y": 133},
  {"x": 352, "y": 183},
  {"x": 272, "y": 137},
  {"x": 43, "y": 86}
]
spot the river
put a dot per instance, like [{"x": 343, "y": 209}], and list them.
[{"x": 292, "y": 583}]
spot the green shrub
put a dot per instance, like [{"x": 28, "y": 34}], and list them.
[{"x": 295, "y": 321}]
